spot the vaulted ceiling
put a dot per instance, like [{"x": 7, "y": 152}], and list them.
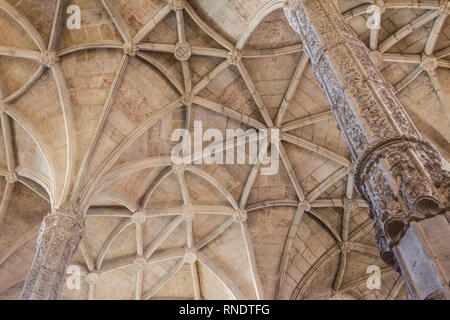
[{"x": 87, "y": 116}]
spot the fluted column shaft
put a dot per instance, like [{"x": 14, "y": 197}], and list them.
[
  {"x": 397, "y": 172},
  {"x": 58, "y": 240}
]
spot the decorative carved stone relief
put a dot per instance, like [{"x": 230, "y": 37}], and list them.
[
  {"x": 429, "y": 63},
  {"x": 240, "y": 216},
  {"x": 12, "y": 177},
  {"x": 92, "y": 278},
  {"x": 138, "y": 218},
  {"x": 58, "y": 239},
  {"x": 130, "y": 49},
  {"x": 188, "y": 213},
  {"x": 444, "y": 7},
  {"x": 397, "y": 172},
  {"x": 176, "y": 5},
  {"x": 3, "y": 107},
  {"x": 182, "y": 51},
  {"x": 190, "y": 257},
  {"x": 350, "y": 205},
  {"x": 234, "y": 57},
  {"x": 49, "y": 59},
  {"x": 305, "y": 205},
  {"x": 140, "y": 263}
]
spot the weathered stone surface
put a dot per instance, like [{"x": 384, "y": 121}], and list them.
[{"x": 58, "y": 239}]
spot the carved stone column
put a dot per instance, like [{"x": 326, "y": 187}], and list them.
[
  {"x": 397, "y": 172},
  {"x": 58, "y": 239}
]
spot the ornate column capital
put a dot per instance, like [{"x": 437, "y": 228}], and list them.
[
  {"x": 397, "y": 172},
  {"x": 345, "y": 246},
  {"x": 351, "y": 169}
]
